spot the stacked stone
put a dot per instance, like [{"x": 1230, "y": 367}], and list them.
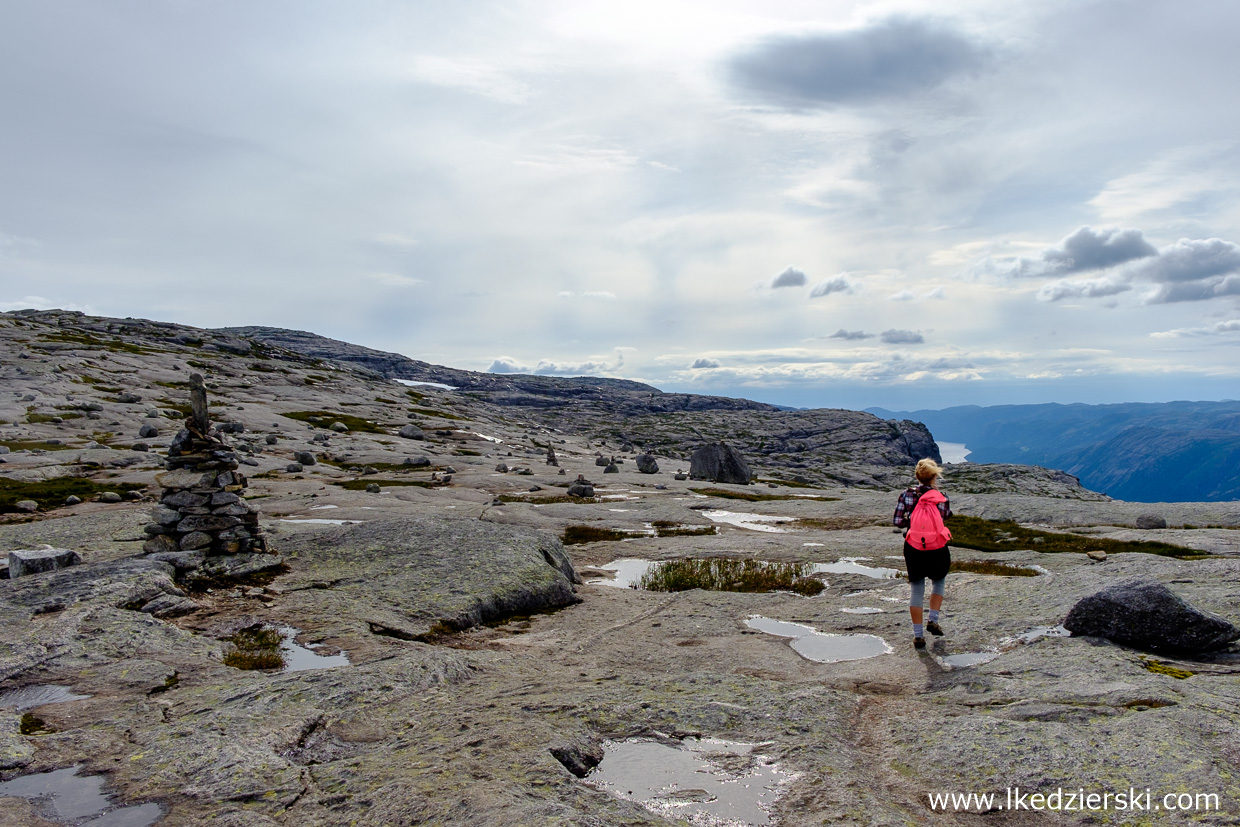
[{"x": 201, "y": 508}]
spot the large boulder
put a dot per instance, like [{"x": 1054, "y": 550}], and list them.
[
  {"x": 1145, "y": 614},
  {"x": 411, "y": 432},
  {"x": 647, "y": 465},
  {"x": 719, "y": 463}
]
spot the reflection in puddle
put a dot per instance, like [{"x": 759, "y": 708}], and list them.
[
  {"x": 705, "y": 782},
  {"x": 849, "y": 565},
  {"x": 67, "y": 797},
  {"x": 321, "y": 507},
  {"x": 320, "y": 521},
  {"x": 813, "y": 544},
  {"x": 629, "y": 572},
  {"x": 298, "y": 658},
  {"x": 753, "y": 522},
  {"x": 968, "y": 659},
  {"x": 820, "y": 646},
  {"x": 29, "y": 697},
  {"x": 861, "y": 610}
]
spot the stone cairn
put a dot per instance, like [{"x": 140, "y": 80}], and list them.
[{"x": 201, "y": 508}]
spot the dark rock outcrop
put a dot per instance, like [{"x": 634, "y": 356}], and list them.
[
  {"x": 647, "y": 465},
  {"x": 719, "y": 462},
  {"x": 1145, "y": 614}
]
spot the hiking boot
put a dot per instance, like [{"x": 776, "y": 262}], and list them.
[
  {"x": 933, "y": 628},
  {"x": 919, "y": 643}
]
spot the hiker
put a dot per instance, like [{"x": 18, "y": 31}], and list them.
[{"x": 925, "y": 545}]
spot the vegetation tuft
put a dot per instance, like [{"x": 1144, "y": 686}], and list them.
[
  {"x": 547, "y": 500},
  {"x": 35, "y": 445},
  {"x": 578, "y": 534},
  {"x": 685, "y": 531},
  {"x": 52, "y": 493},
  {"x": 360, "y": 485},
  {"x": 33, "y": 725},
  {"x": 993, "y": 567},
  {"x": 726, "y": 575},
  {"x": 255, "y": 647},
  {"x": 1007, "y": 535},
  {"x": 839, "y": 523},
  {"x": 1161, "y": 668},
  {"x": 433, "y": 412},
  {"x": 324, "y": 419},
  {"x": 756, "y": 498}
]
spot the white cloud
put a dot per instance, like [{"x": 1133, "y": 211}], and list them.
[
  {"x": 1082, "y": 289},
  {"x": 475, "y": 77},
  {"x": 1171, "y": 181},
  {"x": 1084, "y": 250},
  {"x": 506, "y": 364},
  {"x": 902, "y": 296},
  {"x": 704, "y": 364},
  {"x": 851, "y": 335},
  {"x": 902, "y": 337},
  {"x": 41, "y": 303},
  {"x": 1229, "y": 326},
  {"x": 394, "y": 280}
]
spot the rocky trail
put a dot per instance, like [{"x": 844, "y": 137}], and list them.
[{"x": 489, "y": 664}]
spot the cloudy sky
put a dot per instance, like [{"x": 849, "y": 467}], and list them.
[{"x": 840, "y": 204}]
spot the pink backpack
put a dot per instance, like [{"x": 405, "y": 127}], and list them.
[{"x": 925, "y": 528}]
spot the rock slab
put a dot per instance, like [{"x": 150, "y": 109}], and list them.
[
  {"x": 719, "y": 462},
  {"x": 1145, "y": 614},
  {"x": 35, "y": 561}
]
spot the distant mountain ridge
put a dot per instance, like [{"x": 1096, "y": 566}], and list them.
[{"x": 1137, "y": 451}]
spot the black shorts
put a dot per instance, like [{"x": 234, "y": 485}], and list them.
[{"x": 934, "y": 563}]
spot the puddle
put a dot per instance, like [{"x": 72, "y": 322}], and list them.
[
  {"x": 29, "y": 697},
  {"x": 298, "y": 658},
  {"x": 629, "y": 571},
  {"x": 321, "y": 507},
  {"x": 861, "y": 610},
  {"x": 813, "y": 544},
  {"x": 1034, "y": 634},
  {"x": 321, "y": 521},
  {"x": 412, "y": 384},
  {"x": 704, "y": 782},
  {"x": 67, "y": 797},
  {"x": 620, "y": 510},
  {"x": 821, "y": 647},
  {"x": 753, "y": 522},
  {"x": 969, "y": 659},
  {"x": 849, "y": 565}
]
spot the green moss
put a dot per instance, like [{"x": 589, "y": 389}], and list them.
[
  {"x": 548, "y": 500},
  {"x": 177, "y": 385},
  {"x": 578, "y": 534},
  {"x": 748, "y": 496},
  {"x": 1006, "y": 535},
  {"x": 52, "y": 493},
  {"x": 32, "y": 725},
  {"x": 1162, "y": 668},
  {"x": 324, "y": 419},
  {"x": 95, "y": 343},
  {"x": 39, "y": 418},
  {"x": 169, "y": 682},
  {"x": 465, "y": 452},
  {"x": 726, "y": 575},
  {"x": 685, "y": 531},
  {"x": 433, "y": 412}
]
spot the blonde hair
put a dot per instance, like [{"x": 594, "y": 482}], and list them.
[{"x": 927, "y": 471}]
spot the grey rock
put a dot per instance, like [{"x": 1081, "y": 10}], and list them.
[
  {"x": 411, "y": 432},
  {"x": 525, "y": 472},
  {"x": 109, "y": 497},
  {"x": 581, "y": 490},
  {"x": 181, "y": 560},
  {"x": 90, "y": 406},
  {"x": 24, "y": 562},
  {"x": 272, "y": 439},
  {"x": 602, "y": 462},
  {"x": 148, "y": 431},
  {"x": 181, "y": 500},
  {"x": 448, "y": 469},
  {"x": 611, "y": 468},
  {"x": 26, "y": 505},
  {"x": 160, "y": 544},
  {"x": 129, "y": 398},
  {"x": 140, "y": 447},
  {"x": 502, "y": 468},
  {"x": 1145, "y": 614},
  {"x": 4, "y": 449},
  {"x": 1150, "y": 521},
  {"x": 207, "y": 522},
  {"x": 294, "y": 468},
  {"x": 646, "y": 464},
  {"x": 72, "y": 499},
  {"x": 164, "y": 515},
  {"x": 248, "y": 461},
  {"x": 1098, "y": 556},
  {"x": 373, "y": 488},
  {"x": 170, "y": 605},
  {"x": 680, "y": 476},
  {"x": 369, "y": 471},
  {"x": 152, "y": 413},
  {"x": 719, "y": 462},
  {"x": 340, "y": 427},
  {"x": 305, "y": 458},
  {"x": 579, "y": 755},
  {"x": 418, "y": 462}
]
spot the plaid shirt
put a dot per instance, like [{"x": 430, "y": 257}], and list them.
[{"x": 904, "y": 506}]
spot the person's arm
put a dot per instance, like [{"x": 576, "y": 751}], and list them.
[
  {"x": 945, "y": 508},
  {"x": 904, "y": 508}
]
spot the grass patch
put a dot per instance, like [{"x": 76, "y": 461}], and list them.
[
  {"x": 325, "y": 419},
  {"x": 33, "y": 725},
  {"x": 52, "y": 493},
  {"x": 433, "y": 412},
  {"x": 465, "y": 452},
  {"x": 992, "y": 567},
  {"x": 1006, "y": 535},
  {"x": 838, "y": 523},
  {"x": 685, "y": 531},
  {"x": 360, "y": 485},
  {"x": 725, "y": 575},
  {"x": 756, "y": 498},
  {"x": 35, "y": 445},
  {"x": 41, "y": 418},
  {"x": 547, "y": 500},
  {"x": 96, "y": 343},
  {"x": 788, "y": 483},
  {"x": 578, "y": 534},
  {"x": 256, "y": 647}
]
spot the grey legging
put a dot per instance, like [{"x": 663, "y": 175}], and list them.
[{"x": 919, "y": 590}]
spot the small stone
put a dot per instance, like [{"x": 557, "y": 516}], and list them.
[
  {"x": 373, "y": 488},
  {"x": 160, "y": 544},
  {"x": 581, "y": 490},
  {"x": 447, "y": 478},
  {"x": 602, "y": 462},
  {"x": 418, "y": 462},
  {"x": 535, "y": 488},
  {"x": 368, "y": 471},
  {"x": 152, "y": 413},
  {"x": 72, "y": 499},
  {"x": 563, "y": 472},
  {"x": 248, "y": 461},
  {"x": 140, "y": 447},
  {"x": 449, "y": 470},
  {"x": 502, "y": 468},
  {"x": 647, "y": 465},
  {"x": 681, "y": 476},
  {"x": 340, "y": 427},
  {"x": 35, "y": 561},
  {"x": 612, "y": 468},
  {"x": 1150, "y": 521},
  {"x": 133, "y": 496},
  {"x": 294, "y": 468},
  {"x": 272, "y": 439},
  {"x": 148, "y": 432},
  {"x": 305, "y": 458},
  {"x": 1099, "y": 556},
  {"x": 26, "y": 505},
  {"x": 411, "y": 432},
  {"x": 128, "y": 398}
]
